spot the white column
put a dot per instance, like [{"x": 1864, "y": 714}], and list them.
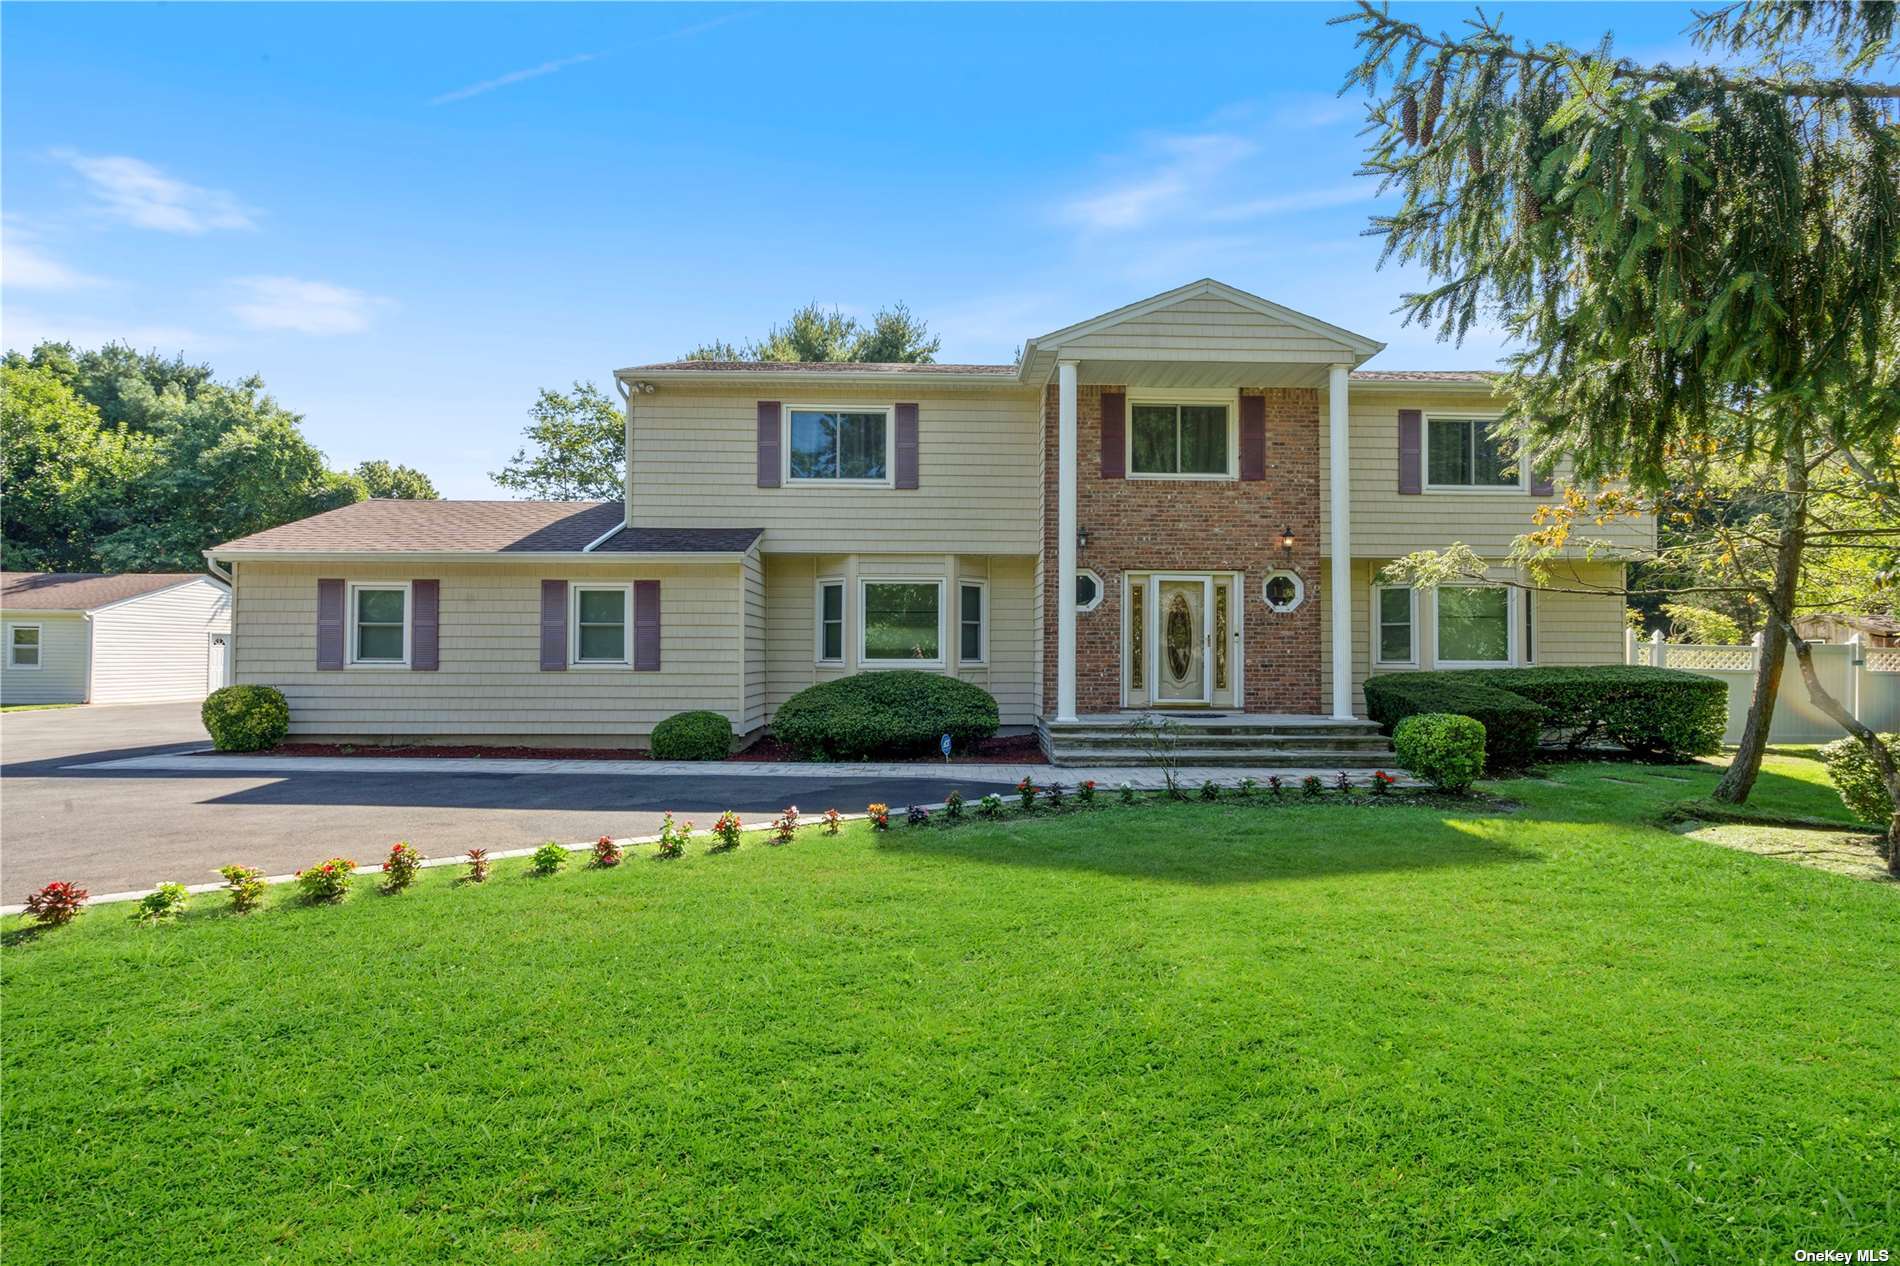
[
  {"x": 1339, "y": 579},
  {"x": 1065, "y": 540}
]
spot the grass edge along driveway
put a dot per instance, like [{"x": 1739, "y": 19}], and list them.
[{"x": 1173, "y": 1033}]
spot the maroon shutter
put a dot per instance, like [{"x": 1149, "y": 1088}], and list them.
[
  {"x": 1253, "y": 437},
  {"x": 906, "y": 466},
  {"x": 1411, "y": 452},
  {"x": 768, "y": 443},
  {"x": 424, "y": 623},
  {"x": 646, "y": 625},
  {"x": 329, "y": 624},
  {"x": 553, "y": 626},
  {"x": 1543, "y": 485},
  {"x": 1114, "y": 435}
]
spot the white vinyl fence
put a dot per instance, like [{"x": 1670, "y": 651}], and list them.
[{"x": 1865, "y": 679}]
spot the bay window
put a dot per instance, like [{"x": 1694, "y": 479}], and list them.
[
  {"x": 830, "y": 622},
  {"x": 901, "y": 622},
  {"x": 972, "y": 622},
  {"x": 1475, "y": 626},
  {"x": 1394, "y": 612}
]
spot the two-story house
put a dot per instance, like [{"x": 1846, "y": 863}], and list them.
[{"x": 1182, "y": 504}]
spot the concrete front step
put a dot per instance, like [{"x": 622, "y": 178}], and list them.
[
  {"x": 1316, "y": 727},
  {"x": 1234, "y": 759},
  {"x": 1264, "y": 742}
]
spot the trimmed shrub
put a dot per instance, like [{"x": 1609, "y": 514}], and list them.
[
  {"x": 245, "y": 718},
  {"x": 1858, "y": 780},
  {"x": 1511, "y": 722},
  {"x": 1655, "y": 712},
  {"x": 1445, "y": 749},
  {"x": 692, "y": 736},
  {"x": 897, "y": 713}
]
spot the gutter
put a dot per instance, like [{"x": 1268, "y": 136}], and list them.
[{"x": 485, "y": 556}]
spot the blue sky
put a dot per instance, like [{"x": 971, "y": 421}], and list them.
[{"x": 409, "y": 218}]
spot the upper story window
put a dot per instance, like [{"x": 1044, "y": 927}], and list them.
[
  {"x": 1181, "y": 441},
  {"x": 1470, "y": 453},
  {"x": 839, "y": 445},
  {"x": 379, "y": 624}
]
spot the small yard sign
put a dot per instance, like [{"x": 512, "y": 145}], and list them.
[{"x": 943, "y": 745}]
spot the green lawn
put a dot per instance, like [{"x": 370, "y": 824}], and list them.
[
  {"x": 1535, "y": 1032},
  {"x": 34, "y": 707}
]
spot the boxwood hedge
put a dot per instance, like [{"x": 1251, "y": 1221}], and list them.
[
  {"x": 245, "y": 718},
  {"x": 1655, "y": 712},
  {"x": 1511, "y": 722},
  {"x": 699, "y": 735},
  {"x": 897, "y": 713}
]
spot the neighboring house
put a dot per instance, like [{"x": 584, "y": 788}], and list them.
[
  {"x": 1183, "y": 503},
  {"x": 1833, "y": 626},
  {"x": 86, "y": 638}
]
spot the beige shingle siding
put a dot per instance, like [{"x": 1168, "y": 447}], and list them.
[
  {"x": 1201, "y": 329},
  {"x": 1567, "y": 629},
  {"x": 695, "y": 463},
  {"x": 156, "y": 648},
  {"x": 489, "y": 685},
  {"x": 753, "y": 659},
  {"x": 64, "y": 647},
  {"x": 791, "y": 594},
  {"x": 1388, "y": 524}
]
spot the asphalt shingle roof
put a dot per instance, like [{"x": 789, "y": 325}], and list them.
[
  {"x": 482, "y": 527},
  {"x": 80, "y": 590}
]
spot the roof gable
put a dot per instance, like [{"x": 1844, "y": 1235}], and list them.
[{"x": 1205, "y": 320}]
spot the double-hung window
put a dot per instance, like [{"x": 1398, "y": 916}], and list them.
[
  {"x": 1181, "y": 441},
  {"x": 838, "y": 445},
  {"x": 830, "y": 622},
  {"x": 972, "y": 622},
  {"x": 1474, "y": 626},
  {"x": 1395, "y": 611},
  {"x": 901, "y": 622},
  {"x": 600, "y": 624},
  {"x": 1467, "y": 453},
  {"x": 23, "y": 646},
  {"x": 379, "y": 624}
]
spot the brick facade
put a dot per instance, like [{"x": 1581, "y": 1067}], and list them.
[{"x": 1194, "y": 526}]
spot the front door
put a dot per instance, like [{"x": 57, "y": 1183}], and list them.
[{"x": 1181, "y": 642}]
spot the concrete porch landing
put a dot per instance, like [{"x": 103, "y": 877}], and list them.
[{"x": 1218, "y": 740}]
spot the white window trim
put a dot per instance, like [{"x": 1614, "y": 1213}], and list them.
[
  {"x": 1230, "y": 400},
  {"x": 943, "y": 638},
  {"x": 787, "y": 480},
  {"x": 574, "y": 591},
  {"x": 1299, "y": 590},
  {"x": 408, "y": 622},
  {"x": 39, "y": 644},
  {"x": 982, "y": 622},
  {"x": 1378, "y": 627},
  {"x": 818, "y": 621},
  {"x": 1522, "y": 486},
  {"x": 1512, "y": 619},
  {"x": 1100, "y": 589}
]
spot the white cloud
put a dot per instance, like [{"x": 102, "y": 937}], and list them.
[
  {"x": 512, "y": 77},
  {"x": 132, "y": 190},
  {"x": 306, "y": 307},
  {"x": 1178, "y": 168},
  {"x": 23, "y": 266},
  {"x": 1299, "y": 200},
  {"x": 27, "y": 326}
]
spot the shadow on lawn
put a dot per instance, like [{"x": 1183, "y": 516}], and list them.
[{"x": 1223, "y": 844}]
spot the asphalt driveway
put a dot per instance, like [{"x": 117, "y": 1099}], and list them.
[{"x": 118, "y": 830}]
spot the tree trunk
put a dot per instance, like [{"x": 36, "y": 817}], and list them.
[
  {"x": 1876, "y": 750},
  {"x": 1739, "y": 779}
]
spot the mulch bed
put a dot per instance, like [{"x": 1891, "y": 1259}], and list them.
[{"x": 1017, "y": 749}]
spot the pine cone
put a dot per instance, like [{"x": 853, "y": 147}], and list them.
[
  {"x": 1527, "y": 209},
  {"x": 1474, "y": 155},
  {"x": 1434, "y": 102},
  {"x": 1409, "y": 113}
]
